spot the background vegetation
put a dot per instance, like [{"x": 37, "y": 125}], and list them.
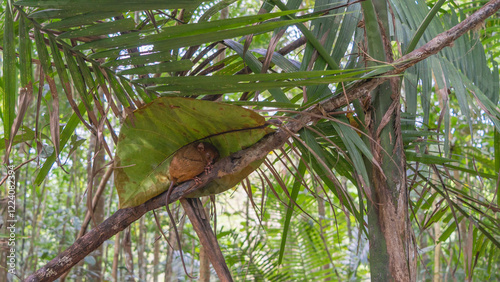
[{"x": 302, "y": 216}]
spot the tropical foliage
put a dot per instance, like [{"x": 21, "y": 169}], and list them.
[{"x": 73, "y": 70}]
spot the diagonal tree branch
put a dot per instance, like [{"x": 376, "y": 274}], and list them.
[{"x": 239, "y": 160}]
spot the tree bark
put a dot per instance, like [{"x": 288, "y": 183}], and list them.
[{"x": 392, "y": 256}]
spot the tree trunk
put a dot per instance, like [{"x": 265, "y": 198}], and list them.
[
  {"x": 391, "y": 249},
  {"x": 389, "y": 230}
]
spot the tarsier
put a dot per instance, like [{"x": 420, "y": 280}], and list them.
[
  {"x": 190, "y": 161},
  {"x": 187, "y": 163}
]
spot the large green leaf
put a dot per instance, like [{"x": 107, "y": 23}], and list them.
[{"x": 152, "y": 134}]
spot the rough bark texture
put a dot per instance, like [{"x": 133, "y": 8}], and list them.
[
  {"x": 388, "y": 222},
  {"x": 236, "y": 162}
]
